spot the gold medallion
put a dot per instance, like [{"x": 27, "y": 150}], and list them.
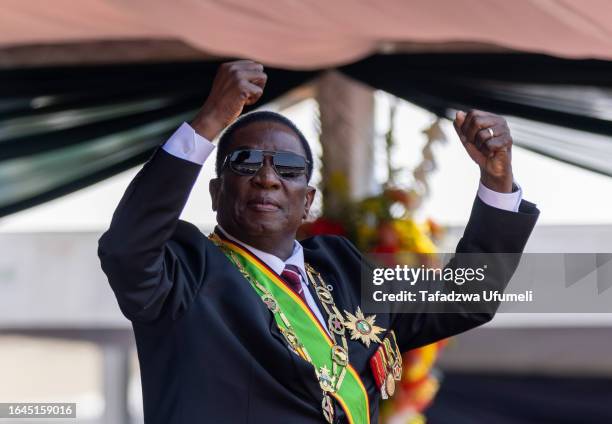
[
  {"x": 328, "y": 408},
  {"x": 339, "y": 355},
  {"x": 390, "y": 385},
  {"x": 363, "y": 328},
  {"x": 335, "y": 324},
  {"x": 291, "y": 338},
  {"x": 326, "y": 380},
  {"x": 324, "y": 295},
  {"x": 270, "y": 303}
]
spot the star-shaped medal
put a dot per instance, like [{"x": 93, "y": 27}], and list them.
[{"x": 363, "y": 328}]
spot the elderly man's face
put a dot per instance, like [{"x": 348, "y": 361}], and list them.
[{"x": 263, "y": 204}]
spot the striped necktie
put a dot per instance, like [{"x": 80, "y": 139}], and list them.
[{"x": 291, "y": 275}]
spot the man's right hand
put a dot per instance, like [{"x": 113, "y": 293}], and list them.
[{"x": 236, "y": 85}]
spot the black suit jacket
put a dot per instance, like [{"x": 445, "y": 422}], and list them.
[{"x": 209, "y": 349}]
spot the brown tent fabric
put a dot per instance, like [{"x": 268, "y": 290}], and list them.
[{"x": 312, "y": 34}]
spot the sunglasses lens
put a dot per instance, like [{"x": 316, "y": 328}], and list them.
[
  {"x": 289, "y": 165},
  {"x": 246, "y": 162}
]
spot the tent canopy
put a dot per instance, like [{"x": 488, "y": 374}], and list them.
[{"x": 319, "y": 33}]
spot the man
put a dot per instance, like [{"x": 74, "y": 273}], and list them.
[{"x": 248, "y": 325}]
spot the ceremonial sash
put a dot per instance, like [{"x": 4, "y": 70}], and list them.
[{"x": 351, "y": 395}]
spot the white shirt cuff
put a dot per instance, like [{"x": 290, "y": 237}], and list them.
[
  {"x": 187, "y": 144},
  {"x": 505, "y": 201}
]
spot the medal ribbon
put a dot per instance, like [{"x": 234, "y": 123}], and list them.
[{"x": 351, "y": 395}]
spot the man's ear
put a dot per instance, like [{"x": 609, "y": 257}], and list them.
[
  {"x": 213, "y": 187},
  {"x": 310, "y": 194}
]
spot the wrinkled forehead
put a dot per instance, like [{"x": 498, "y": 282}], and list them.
[{"x": 267, "y": 135}]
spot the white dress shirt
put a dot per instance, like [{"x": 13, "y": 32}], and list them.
[{"x": 186, "y": 144}]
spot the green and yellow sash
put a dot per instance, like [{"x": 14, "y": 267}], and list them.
[{"x": 351, "y": 395}]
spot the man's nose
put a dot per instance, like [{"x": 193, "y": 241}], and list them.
[{"x": 266, "y": 175}]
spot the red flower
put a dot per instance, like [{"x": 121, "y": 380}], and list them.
[{"x": 323, "y": 226}]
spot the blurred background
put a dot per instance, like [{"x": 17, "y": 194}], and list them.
[{"x": 89, "y": 89}]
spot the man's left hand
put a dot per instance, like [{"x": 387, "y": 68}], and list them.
[{"x": 486, "y": 137}]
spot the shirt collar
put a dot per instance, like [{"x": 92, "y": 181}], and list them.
[{"x": 274, "y": 262}]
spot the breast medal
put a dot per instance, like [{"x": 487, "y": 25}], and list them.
[
  {"x": 386, "y": 365},
  {"x": 390, "y": 385},
  {"x": 378, "y": 369},
  {"x": 363, "y": 328}
]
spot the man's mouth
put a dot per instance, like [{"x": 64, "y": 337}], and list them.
[{"x": 263, "y": 205}]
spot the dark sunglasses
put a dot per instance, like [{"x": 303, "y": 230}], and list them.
[{"x": 249, "y": 161}]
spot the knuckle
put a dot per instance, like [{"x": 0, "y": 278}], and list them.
[
  {"x": 244, "y": 87},
  {"x": 481, "y": 120},
  {"x": 230, "y": 67},
  {"x": 493, "y": 145},
  {"x": 480, "y": 136}
]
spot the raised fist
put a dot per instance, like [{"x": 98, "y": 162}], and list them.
[
  {"x": 486, "y": 138},
  {"x": 236, "y": 84}
]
